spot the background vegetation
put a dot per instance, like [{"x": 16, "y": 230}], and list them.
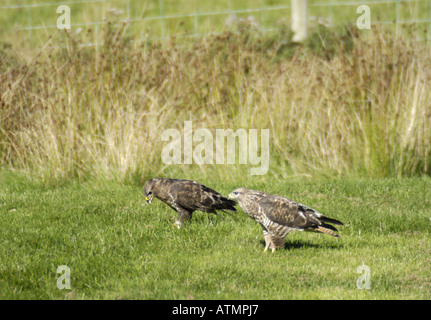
[
  {"x": 155, "y": 19},
  {"x": 337, "y": 105}
]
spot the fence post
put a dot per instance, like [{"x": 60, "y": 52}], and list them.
[{"x": 299, "y": 19}]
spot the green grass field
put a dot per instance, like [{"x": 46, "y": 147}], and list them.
[{"x": 118, "y": 249}]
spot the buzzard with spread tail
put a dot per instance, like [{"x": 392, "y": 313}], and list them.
[
  {"x": 278, "y": 216},
  {"x": 186, "y": 196}
]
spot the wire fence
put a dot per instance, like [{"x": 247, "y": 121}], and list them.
[{"x": 33, "y": 21}]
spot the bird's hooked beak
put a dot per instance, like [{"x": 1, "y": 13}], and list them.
[
  {"x": 149, "y": 198},
  {"x": 231, "y": 196}
]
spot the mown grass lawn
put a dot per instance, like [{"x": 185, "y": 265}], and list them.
[{"x": 118, "y": 249}]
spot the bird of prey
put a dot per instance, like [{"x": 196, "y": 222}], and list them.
[
  {"x": 185, "y": 196},
  {"x": 278, "y": 216}
]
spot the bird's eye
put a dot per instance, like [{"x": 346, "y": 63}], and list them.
[
  {"x": 235, "y": 193},
  {"x": 150, "y": 193}
]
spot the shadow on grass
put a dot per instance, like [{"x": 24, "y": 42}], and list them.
[{"x": 297, "y": 244}]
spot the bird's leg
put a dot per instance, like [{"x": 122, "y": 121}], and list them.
[
  {"x": 183, "y": 216},
  {"x": 276, "y": 243},
  {"x": 267, "y": 238}
]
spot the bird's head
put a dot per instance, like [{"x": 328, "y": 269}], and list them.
[
  {"x": 148, "y": 190},
  {"x": 237, "y": 194}
]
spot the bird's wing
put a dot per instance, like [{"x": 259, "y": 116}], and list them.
[
  {"x": 192, "y": 195},
  {"x": 287, "y": 212}
]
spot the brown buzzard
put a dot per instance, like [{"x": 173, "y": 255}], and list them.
[
  {"x": 278, "y": 216},
  {"x": 185, "y": 196}
]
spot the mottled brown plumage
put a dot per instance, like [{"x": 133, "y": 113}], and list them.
[
  {"x": 186, "y": 196},
  {"x": 278, "y": 216}
]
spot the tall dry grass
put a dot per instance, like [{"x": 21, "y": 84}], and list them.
[{"x": 338, "y": 105}]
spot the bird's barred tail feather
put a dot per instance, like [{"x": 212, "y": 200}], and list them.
[{"x": 323, "y": 229}]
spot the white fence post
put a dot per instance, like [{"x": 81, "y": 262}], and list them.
[{"x": 299, "y": 19}]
